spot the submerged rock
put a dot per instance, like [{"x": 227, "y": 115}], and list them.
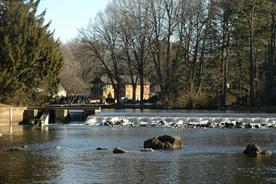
[
  {"x": 14, "y": 149},
  {"x": 221, "y": 125},
  {"x": 107, "y": 123},
  {"x": 257, "y": 126},
  {"x": 24, "y": 146},
  {"x": 266, "y": 152},
  {"x": 255, "y": 150},
  {"x": 147, "y": 150},
  {"x": 211, "y": 125},
  {"x": 99, "y": 148},
  {"x": 239, "y": 125},
  {"x": 248, "y": 125},
  {"x": 229, "y": 125},
  {"x": 272, "y": 126},
  {"x": 119, "y": 150},
  {"x": 164, "y": 142}
]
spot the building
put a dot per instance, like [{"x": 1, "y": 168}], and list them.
[
  {"x": 61, "y": 91},
  {"x": 101, "y": 89}
]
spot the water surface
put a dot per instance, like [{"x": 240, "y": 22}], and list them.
[{"x": 67, "y": 154}]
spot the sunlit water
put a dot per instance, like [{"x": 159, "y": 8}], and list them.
[{"x": 67, "y": 154}]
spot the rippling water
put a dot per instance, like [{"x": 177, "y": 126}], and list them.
[{"x": 67, "y": 154}]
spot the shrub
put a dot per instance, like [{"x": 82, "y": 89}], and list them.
[{"x": 193, "y": 101}]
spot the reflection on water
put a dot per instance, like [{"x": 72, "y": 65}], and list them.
[{"x": 67, "y": 154}]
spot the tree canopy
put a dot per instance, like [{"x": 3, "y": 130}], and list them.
[{"x": 196, "y": 51}]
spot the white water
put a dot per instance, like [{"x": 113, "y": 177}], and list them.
[
  {"x": 178, "y": 119},
  {"x": 45, "y": 118}
]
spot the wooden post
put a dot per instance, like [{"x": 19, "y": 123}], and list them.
[{"x": 10, "y": 124}]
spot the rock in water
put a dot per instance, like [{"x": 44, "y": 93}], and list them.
[
  {"x": 164, "y": 142},
  {"x": 229, "y": 125},
  {"x": 210, "y": 125},
  {"x": 13, "y": 149},
  {"x": 119, "y": 150},
  {"x": 147, "y": 150},
  {"x": 99, "y": 149},
  {"x": 267, "y": 152},
  {"x": 248, "y": 125},
  {"x": 254, "y": 150},
  {"x": 239, "y": 125},
  {"x": 24, "y": 146}
]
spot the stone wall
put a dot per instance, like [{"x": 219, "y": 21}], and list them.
[{"x": 4, "y": 119}]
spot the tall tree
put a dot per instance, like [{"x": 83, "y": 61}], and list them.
[
  {"x": 101, "y": 42},
  {"x": 29, "y": 55}
]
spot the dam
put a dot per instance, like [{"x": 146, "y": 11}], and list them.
[{"x": 11, "y": 117}]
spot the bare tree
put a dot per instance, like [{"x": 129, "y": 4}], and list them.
[
  {"x": 100, "y": 40},
  {"x": 138, "y": 36},
  {"x": 69, "y": 75}
]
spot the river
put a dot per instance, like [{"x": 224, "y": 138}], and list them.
[{"x": 67, "y": 153}]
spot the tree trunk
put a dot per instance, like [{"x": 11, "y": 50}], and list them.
[
  {"x": 134, "y": 87},
  {"x": 225, "y": 53},
  {"x": 251, "y": 62},
  {"x": 271, "y": 49},
  {"x": 141, "y": 88}
]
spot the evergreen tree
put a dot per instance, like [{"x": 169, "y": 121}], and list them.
[{"x": 29, "y": 56}]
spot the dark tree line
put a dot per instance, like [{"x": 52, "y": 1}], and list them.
[
  {"x": 30, "y": 58},
  {"x": 214, "y": 52}
]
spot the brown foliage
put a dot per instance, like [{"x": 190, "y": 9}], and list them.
[{"x": 194, "y": 101}]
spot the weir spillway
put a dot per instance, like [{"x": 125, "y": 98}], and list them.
[{"x": 60, "y": 113}]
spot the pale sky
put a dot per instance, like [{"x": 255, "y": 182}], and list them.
[{"x": 68, "y": 16}]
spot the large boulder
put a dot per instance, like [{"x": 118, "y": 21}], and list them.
[
  {"x": 164, "y": 142},
  {"x": 255, "y": 150}
]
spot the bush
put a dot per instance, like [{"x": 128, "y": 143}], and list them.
[{"x": 193, "y": 101}]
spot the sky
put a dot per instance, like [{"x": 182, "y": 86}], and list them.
[{"x": 68, "y": 16}]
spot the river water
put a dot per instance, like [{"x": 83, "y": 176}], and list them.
[{"x": 67, "y": 153}]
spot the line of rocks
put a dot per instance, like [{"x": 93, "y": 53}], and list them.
[
  {"x": 164, "y": 142},
  {"x": 161, "y": 124},
  {"x": 167, "y": 142}
]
